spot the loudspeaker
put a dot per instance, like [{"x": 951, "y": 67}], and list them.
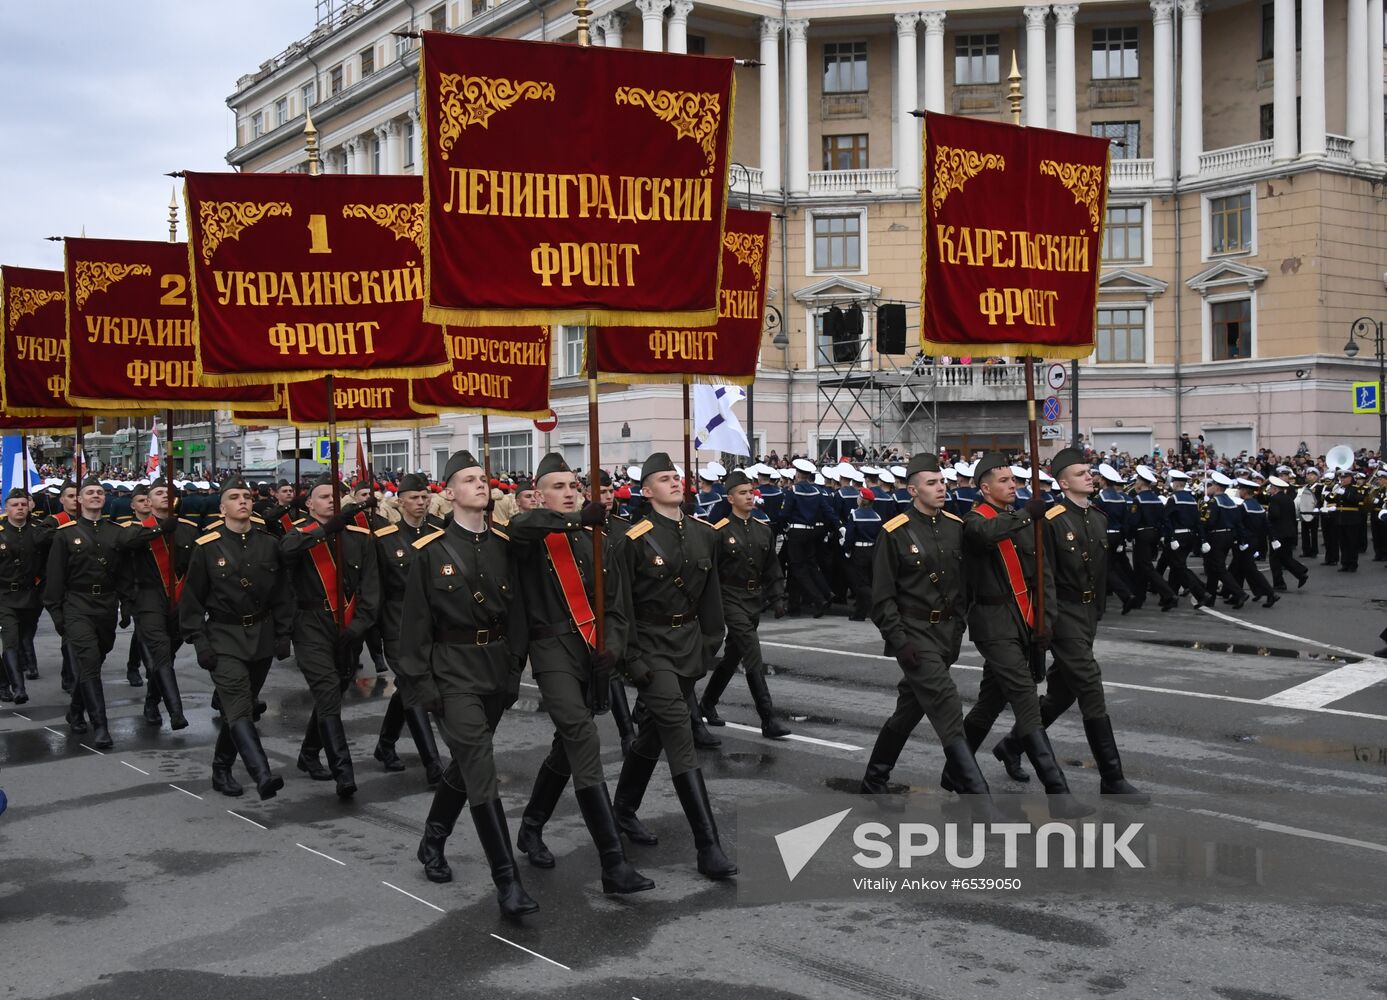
[
  {"x": 891, "y": 328},
  {"x": 833, "y": 324}
]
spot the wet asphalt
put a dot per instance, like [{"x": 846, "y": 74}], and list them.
[{"x": 125, "y": 876}]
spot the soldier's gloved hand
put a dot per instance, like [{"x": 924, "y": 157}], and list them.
[
  {"x": 779, "y": 609},
  {"x": 593, "y": 514},
  {"x": 282, "y": 648},
  {"x": 639, "y": 674},
  {"x": 1205, "y": 548},
  {"x": 1121, "y": 547},
  {"x": 168, "y": 525},
  {"x": 908, "y": 657},
  {"x": 206, "y": 657},
  {"x": 1174, "y": 545},
  {"x": 336, "y": 524},
  {"x": 1041, "y": 640},
  {"x": 60, "y": 626},
  {"x": 1035, "y": 507},
  {"x": 300, "y": 503},
  {"x": 600, "y": 687},
  {"x": 1242, "y": 547},
  {"x": 370, "y": 503},
  {"x": 513, "y": 691},
  {"x": 688, "y": 507},
  {"x": 1275, "y": 545},
  {"x": 124, "y": 618}
]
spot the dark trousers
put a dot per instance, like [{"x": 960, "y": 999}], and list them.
[
  {"x": 1353, "y": 541},
  {"x": 668, "y": 723},
  {"x": 90, "y": 636},
  {"x": 1120, "y": 574},
  {"x": 1006, "y": 680},
  {"x": 1329, "y": 525},
  {"x": 1144, "y": 570},
  {"x": 802, "y": 545},
  {"x": 1283, "y": 561},
  {"x": 927, "y": 690},
  {"x": 576, "y": 748},
  {"x": 468, "y": 723},
  {"x": 1180, "y": 573},
  {"x": 1378, "y": 527},
  {"x": 1310, "y": 537},
  {"x": 1216, "y": 575},
  {"x": 1245, "y": 568},
  {"x": 860, "y": 578},
  {"x": 238, "y": 683}
]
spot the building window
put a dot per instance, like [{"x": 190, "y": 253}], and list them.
[
  {"x": 976, "y": 59},
  {"x": 478, "y": 7},
  {"x": 1124, "y": 237},
  {"x": 309, "y": 93},
  {"x": 1122, "y": 336},
  {"x": 570, "y": 351},
  {"x": 845, "y": 152},
  {"x": 844, "y": 348},
  {"x": 281, "y": 111},
  {"x": 1232, "y": 329},
  {"x": 1266, "y": 114},
  {"x": 838, "y": 242},
  {"x": 1115, "y": 54},
  {"x": 409, "y": 142},
  {"x": 438, "y": 18},
  {"x": 1230, "y": 223},
  {"x": 845, "y": 67},
  {"x": 696, "y": 45},
  {"x": 257, "y": 125},
  {"x": 512, "y": 453},
  {"x": 1269, "y": 29},
  {"x": 334, "y": 81},
  {"x": 403, "y": 42},
  {"x": 389, "y": 456},
  {"x": 1125, "y": 136}
]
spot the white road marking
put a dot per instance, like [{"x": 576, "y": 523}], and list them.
[
  {"x": 527, "y": 684},
  {"x": 184, "y": 791},
  {"x": 1292, "y": 636},
  {"x": 534, "y": 953},
  {"x": 1124, "y": 628},
  {"x": 248, "y": 820},
  {"x": 134, "y": 768},
  {"x": 1295, "y": 831},
  {"x": 414, "y": 897},
  {"x": 793, "y": 736},
  {"x": 24, "y": 717},
  {"x": 1333, "y": 686},
  {"x": 99, "y": 753},
  {"x": 54, "y": 731},
  {"x": 322, "y": 855}
]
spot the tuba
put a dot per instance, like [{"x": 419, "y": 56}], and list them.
[{"x": 1339, "y": 457}]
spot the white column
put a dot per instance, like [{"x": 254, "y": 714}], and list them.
[
  {"x": 934, "y": 59},
  {"x": 652, "y": 24},
  {"x": 352, "y": 147},
  {"x": 907, "y": 127},
  {"x": 679, "y": 25},
  {"x": 770, "y": 104},
  {"x": 395, "y": 148},
  {"x": 1191, "y": 86},
  {"x": 797, "y": 106},
  {"x": 1283, "y": 90},
  {"x": 611, "y": 25},
  {"x": 1035, "y": 65},
  {"x": 1312, "y": 116},
  {"x": 417, "y": 141},
  {"x": 382, "y": 136},
  {"x": 1356, "y": 95},
  {"x": 1066, "y": 114},
  {"x": 1163, "y": 115},
  {"x": 1375, "y": 68}
]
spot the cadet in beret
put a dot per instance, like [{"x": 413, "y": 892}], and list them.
[{"x": 24, "y": 544}]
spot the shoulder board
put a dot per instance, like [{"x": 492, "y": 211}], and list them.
[
  {"x": 500, "y": 534},
  {"x": 702, "y": 522},
  {"x": 68, "y": 524},
  {"x": 217, "y": 524},
  {"x": 211, "y": 536},
  {"x": 950, "y": 516},
  {"x": 358, "y": 529},
  {"x": 639, "y": 529},
  {"x": 428, "y": 538},
  {"x": 388, "y": 531},
  {"x": 722, "y": 524},
  {"x": 184, "y": 520},
  {"x": 896, "y": 522},
  {"x": 1055, "y": 512},
  {"x": 257, "y": 519}
]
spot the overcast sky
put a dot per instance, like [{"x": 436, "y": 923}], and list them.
[{"x": 101, "y": 99}]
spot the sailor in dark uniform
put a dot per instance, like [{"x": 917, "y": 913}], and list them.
[
  {"x": 1150, "y": 526},
  {"x": 863, "y": 525},
  {"x": 1113, "y": 503},
  {"x": 1223, "y": 532},
  {"x": 1186, "y": 536},
  {"x": 803, "y": 514}
]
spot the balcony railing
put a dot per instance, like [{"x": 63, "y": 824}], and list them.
[
  {"x": 1132, "y": 173},
  {"x": 978, "y": 374},
  {"x": 745, "y": 180},
  {"x": 847, "y": 182},
  {"x": 1338, "y": 148},
  {"x": 1235, "y": 159}
]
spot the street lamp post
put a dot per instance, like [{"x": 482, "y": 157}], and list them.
[{"x": 1363, "y": 328}]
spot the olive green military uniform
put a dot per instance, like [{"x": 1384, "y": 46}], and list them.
[
  {"x": 1076, "y": 556},
  {"x": 82, "y": 587},
  {"x": 156, "y": 603},
  {"x": 23, "y": 555}
]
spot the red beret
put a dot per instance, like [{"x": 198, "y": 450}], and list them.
[{"x": 867, "y": 493}]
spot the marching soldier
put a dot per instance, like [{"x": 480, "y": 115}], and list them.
[
  {"x": 1113, "y": 503},
  {"x": 1186, "y": 534},
  {"x": 859, "y": 544},
  {"x": 999, "y": 550},
  {"x": 66, "y": 513},
  {"x": 461, "y": 659},
  {"x": 1222, "y": 533},
  {"x": 768, "y": 488},
  {"x": 707, "y": 497},
  {"x": 553, "y": 550},
  {"x": 1075, "y": 551},
  {"x": 668, "y": 621},
  {"x": 1349, "y": 513},
  {"x": 1307, "y": 504},
  {"x": 236, "y": 611},
  {"x": 965, "y": 493},
  {"x": 395, "y": 552},
  {"x": 1281, "y": 523},
  {"x": 802, "y": 514},
  {"x": 337, "y": 604},
  {"x": 918, "y": 603},
  {"x": 1375, "y": 505},
  {"x": 1254, "y": 542},
  {"x": 1151, "y": 529},
  {"x": 1329, "y": 518},
  {"x": 23, "y": 552},
  {"x": 750, "y": 581}
]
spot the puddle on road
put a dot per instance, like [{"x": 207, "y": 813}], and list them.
[
  {"x": 1337, "y": 749},
  {"x": 1250, "y": 650}
]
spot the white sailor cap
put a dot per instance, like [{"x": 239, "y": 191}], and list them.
[
  {"x": 898, "y": 471},
  {"x": 804, "y": 465},
  {"x": 964, "y": 469},
  {"x": 829, "y": 472},
  {"x": 1220, "y": 478},
  {"x": 1146, "y": 473},
  {"x": 950, "y": 475},
  {"x": 1109, "y": 473},
  {"x": 1177, "y": 474},
  {"x": 818, "y": 479},
  {"x": 845, "y": 471},
  {"x": 1279, "y": 482},
  {"x": 888, "y": 477},
  {"x": 707, "y": 475},
  {"x": 1249, "y": 484},
  {"x": 1045, "y": 477},
  {"x": 633, "y": 473},
  {"x": 1381, "y": 471},
  {"x": 717, "y": 469},
  {"x": 1021, "y": 473},
  {"x": 871, "y": 470},
  {"x": 850, "y": 473},
  {"x": 787, "y": 473}
]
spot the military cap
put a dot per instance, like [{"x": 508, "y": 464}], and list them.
[
  {"x": 922, "y": 462},
  {"x": 737, "y": 478},
  {"x": 458, "y": 461},
  {"x": 992, "y": 460},
  {"x": 1219, "y": 478},
  {"x": 604, "y": 477},
  {"x": 522, "y": 484},
  {"x": 867, "y": 494},
  {"x": 412, "y": 481},
  {"x": 90, "y": 481},
  {"x": 234, "y": 484},
  {"x": 658, "y": 462},
  {"x": 161, "y": 481},
  {"x": 708, "y": 475},
  {"x": 552, "y": 462},
  {"x": 68, "y": 484},
  {"x": 326, "y": 480},
  {"x": 804, "y": 465},
  {"x": 1279, "y": 483},
  {"x": 1110, "y": 474},
  {"x": 18, "y": 493}
]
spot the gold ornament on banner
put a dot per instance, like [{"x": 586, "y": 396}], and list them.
[
  {"x": 749, "y": 249},
  {"x": 404, "y": 220},
  {"x": 955, "y": 167},
  {"x": 693, "y": 114},
  {"x": 227, "y": 220},
  {"x": 472, "y": 100},
  {"x": 27, "y": 301},
  {"x": 96, "y": 276},
  {"x": 1085, "y": 183}
]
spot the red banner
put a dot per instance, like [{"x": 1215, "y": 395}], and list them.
[
  {"x": 727, "y": 351},
  {"x": 1012, "y": 238},
  {"x": 296, "y": 277},
  {"x": 130, "y": 331},
  {"x": 495, "y": 370},
  {"x": 33, "y": 357},
  {"x": 55, "y": 424},
  {"x": 378, "y": 401},
  {"x": 570, "y": 184}
]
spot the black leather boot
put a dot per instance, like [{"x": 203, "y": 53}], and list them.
[
  {"x": 618, "y": 876},
  {"x": 968, "y": 780},
  {"x": 448, "y": 802},
  {"x": 549, "y": 786},
  {"x": 390, "y": 729},
  {"x": 490, "y": 820},
  {"x": 621, "y": 715},
  {"x": 69, "y": 676},
  {"x": 30, "y": 658},
  {"x": 223, "y": 758},
  {"x": 630, "y": 789},
  {"x": 338, "y": 754},
  {"x": 167, "y": 683},
  {"x": 771, "y": 727},
  {"x": 75, "y": 709},
  {"x": 94, "y": 696},
  {"x": 151, "y": 703},
  {"x": 1008, "y": 752},
  {"x": 421, "y": 729},
  {"x": 15, "y": 674},
  {"x": 703, "y": 739},
  {"x": 693, "y": 796},
  {"x": 974, "y": 734},
  {"x": 885, "y": 753},
  {"x": 717, "y": 684},
  {"x": 1104, "y": 746},
  {"x": 247, "y": 741},
  {"x": 309, "y": 762},
  {"x": 1042, "y": 757}
]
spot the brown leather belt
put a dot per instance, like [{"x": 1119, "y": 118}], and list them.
[
  {"x": 1077, "y": 596},
  {"x": 929, "y": 614},
  {"x": 668, "y": 621}
]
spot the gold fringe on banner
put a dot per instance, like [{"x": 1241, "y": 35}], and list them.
[
  {"x": 415, "y": 404},
  {"x": 205, "y": 378}
]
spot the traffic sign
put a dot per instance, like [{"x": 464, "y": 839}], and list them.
[
  {"x": 1051, "y": 432},
  {"x": 1051, "y": 408},
  {"x": 323, "y": 451},
  {"x": 1055, "y": 376},
  {"x": 1366, "y": 398},
  {"x": 546, "y": 424}
]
